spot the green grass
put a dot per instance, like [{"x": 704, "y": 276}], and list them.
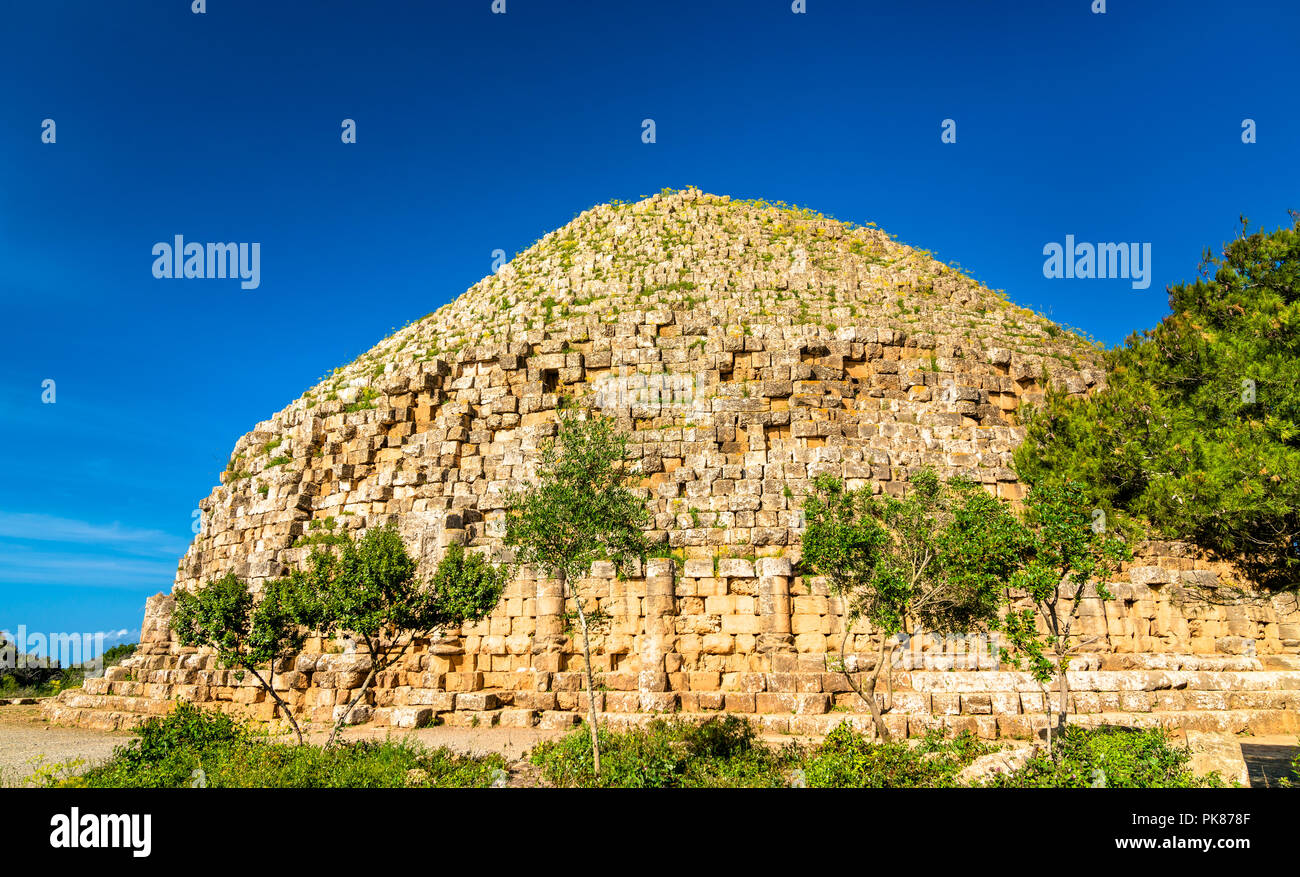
[
  {"x": 847, "y": 759},
  {"x": 721, "y": 753},
  {"x": 170, "y": 751},
  {"x": 1116, "y": 757},
  {"x": 726, "y": 752}
]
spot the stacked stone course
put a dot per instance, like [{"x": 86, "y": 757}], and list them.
[{"x": 746, "y": 348}]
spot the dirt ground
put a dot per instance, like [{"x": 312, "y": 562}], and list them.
[{"x": 28, "y": 742}]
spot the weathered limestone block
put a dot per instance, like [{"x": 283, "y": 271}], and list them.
[{"x": 745, "y": 349}]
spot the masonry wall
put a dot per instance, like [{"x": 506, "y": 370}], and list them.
[
  {"x": 1176, "y": 646},
  {"x": 745, "y": 350}
]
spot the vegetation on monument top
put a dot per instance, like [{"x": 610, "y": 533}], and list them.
[
  {"x": 620, "y": 258},
  {"x": 1197, "y": 433},
  {"x": 24, "y": 675}
]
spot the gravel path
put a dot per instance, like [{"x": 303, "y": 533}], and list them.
[{"x": 26, "y": 739}]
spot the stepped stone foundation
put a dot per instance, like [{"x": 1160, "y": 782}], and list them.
[
  {"x": 746, "y": 348},
  {"x": 750, "y": 637}
]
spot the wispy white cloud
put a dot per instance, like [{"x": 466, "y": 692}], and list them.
[
  {"x": 128, "y": 540},
  {"x": 27, "y": 567},
  {"x": 89, "y": 644}
]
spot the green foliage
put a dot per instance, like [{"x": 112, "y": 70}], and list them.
[
  {"x": 30, "y": 677},
  {"x": 722, "y": 752},
  {"x": 1110, "y": 756},
  {"x": 1064, "y": 555},
  {"x": 935, "y": 559},
  {"x": 721, "y": 737},
  {"x": 580, "y": 510},
  {"x": 245, "y": 632},
  {"x": 119, "y": 653},
  {"x": 726, "y": 751},
  {"x": 466, "y": 586},
  {"x": 40, "y": 681},
  {"x": 365, "y": 401},
  {"x": 847, "y": 759},
  {"x": 169, "y": 751},
  {"x": 321, "y": 532},
  {"x": 1198, "y": 428},
  {"x": 223, "y": 615},
  {"x": 368, "y": 588}
]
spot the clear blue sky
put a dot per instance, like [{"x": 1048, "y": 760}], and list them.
[{"x": 480, "y": 131}]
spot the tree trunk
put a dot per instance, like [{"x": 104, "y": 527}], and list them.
[
  {"x": 1061, "y": 664},
  {"x": 591, "y": 686},
  {"x": 361, "y": 692},
  {"x": 1047, "y": 713},
  {"x": 284, "y": 707},
  {"x": 877, "y": 717}
]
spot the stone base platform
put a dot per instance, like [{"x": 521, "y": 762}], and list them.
[{"x": 1222, "y": 694}]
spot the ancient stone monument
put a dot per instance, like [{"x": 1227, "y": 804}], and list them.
[{"x": 745, "y": 347}]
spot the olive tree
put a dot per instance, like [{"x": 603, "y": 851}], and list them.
[
  {"x": 368, "y": 587},
  {"x": 579, "y": 510},
  {"x": 245, "y": 631},
  {"x": 1067, "y": 560},
  {"x": 935, "y": 559}
]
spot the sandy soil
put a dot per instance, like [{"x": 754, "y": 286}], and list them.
[{"x": 27, "y": 741}]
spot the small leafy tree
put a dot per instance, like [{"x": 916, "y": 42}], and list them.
[
  {"x": 245, "y": 632},
  {"x": 368, "y": 587},
  {"x": 579, "y": 511},
  {"x": 936, "y": 559},
  {"x": 1065, "y": 554}
]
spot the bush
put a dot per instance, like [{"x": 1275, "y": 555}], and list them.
[
  {"x": 1115, "y": 757},
  {"x": 1293, "y": 781},
  {"x": 721, "y": 752},
  {"x": 1196, "y": 431},
  {"x": 722, "y": 737},
  {"x": 847, "y": 759},
  {"x": 119, "y": 653},
  {"x": 168, "y": 752},
  {"x": 40, "y": 681}
]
